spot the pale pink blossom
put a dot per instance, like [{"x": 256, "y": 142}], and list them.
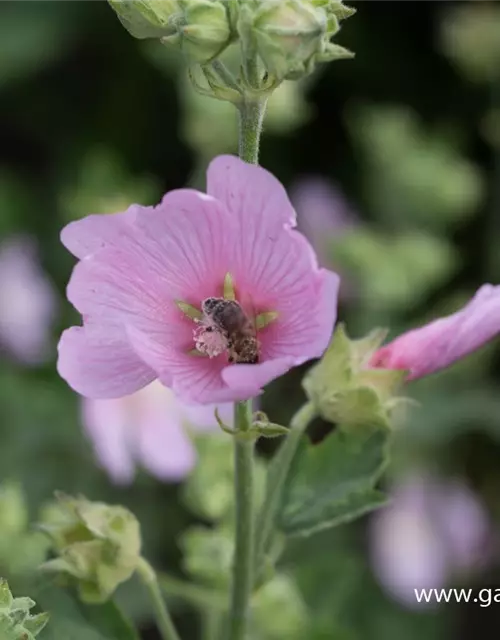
[
  {"x": 149, "y": 428},
  {"x": 28, "y": 302},
  {"x": 439, "y": 344},
  {"x": 135, "y": 267},
  {"x": 433, "y": 531}
]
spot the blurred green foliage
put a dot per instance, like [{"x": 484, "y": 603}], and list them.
[{"x": 92, "y": 120}]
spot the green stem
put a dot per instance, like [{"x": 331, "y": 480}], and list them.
[
  {"x": 195, "y": 594},
  {"x": 211, "y": 624},
  {"x": 243, "y": 562},
  {"x": 163, "y": 619},
  {"x": 276, "y": 477},
  {"x": 251, "y": 112}
]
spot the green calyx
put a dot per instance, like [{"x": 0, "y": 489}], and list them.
[
  {"x": 345, "y": 390},
  {"x": 97, "y": 545},
  {"x": 16, "y": 623}
]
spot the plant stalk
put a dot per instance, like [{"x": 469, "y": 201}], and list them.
[
  {"x": 243, "y": 563},
  {"x": 163, "y": 619}
]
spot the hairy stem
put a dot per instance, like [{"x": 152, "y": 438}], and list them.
[
  {"x": 251, "y": 113},
  {"x": 163, "y": 619},
  {"x": 243, "y": 562},
  {"x": 276, "y": 477}
]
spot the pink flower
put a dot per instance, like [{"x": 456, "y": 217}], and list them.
[
  {"x": 431, "y": 531},
  {"x": 28, "y": 302},
  {"x": 139, "y": 269},
  {"x": 438, "y": 344},
  {"x": 148, "y": 427}
]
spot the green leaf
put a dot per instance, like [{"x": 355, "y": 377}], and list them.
[
  {"x": 74, "y": 620},
  {"x": 333, "y": 482}
]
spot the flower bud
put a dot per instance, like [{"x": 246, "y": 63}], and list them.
[
  {"x": 98, "y": 545},
  {"x": 290, "y": 36},
  {"x": 287, "y": 35},
  {"x": 345, "y": 390},
  {"x": 16, "y": 623},
  {"x": 203, "y": 29}
]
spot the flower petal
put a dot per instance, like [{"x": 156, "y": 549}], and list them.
[
  {"x": 106, "y": 422},
  {"x": 194, "y": 379},
  {"x": 437, "y": 345},
  {"x": 88, "y": 235},
  {"x": 97, "y": 364},
  {"x": 255, "y": 376},
  {"x": 306, "y": 319},
  {"x": 186, "y": 239},
  {"x": 163, "y": 446},
  {"x": 251, "y": 194},
  {"x": 202, "y": 417}
]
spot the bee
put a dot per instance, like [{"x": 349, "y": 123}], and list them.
[{"x": 227, "y": 317}]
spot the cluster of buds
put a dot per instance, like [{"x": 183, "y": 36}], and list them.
[
  {"x": 96, "y": 545},
  {"x": 16, "y": 622},
  {"x": 345, "y": 390},
  {"x": 288, "y": 36}
]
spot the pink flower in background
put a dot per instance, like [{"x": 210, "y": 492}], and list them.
[
  {"x": 322, "y": 214},
  {"x": 437, "y": 345},
  {"x": 136, "y": 267},
  {"x": 148, "y": 428},
  {"x": 28, "y": 302},
  {"x": 431, "y": 531}
]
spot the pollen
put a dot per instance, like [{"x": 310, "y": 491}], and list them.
[{"x": 209, "y": 341}]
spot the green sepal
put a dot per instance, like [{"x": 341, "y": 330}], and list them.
[{"x": 345, "y": 389}]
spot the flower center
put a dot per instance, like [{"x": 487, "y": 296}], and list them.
[{"x": 223, "y": 326}]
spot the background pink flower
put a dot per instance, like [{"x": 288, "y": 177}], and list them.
[
  {"x": 322, "y": 214},
  {"x": 28, "y": 302},
  {"x": 134, "y": 266},
  {"x": 437, "y": 345},
  {"x": 432, "y": 531},
  {"x": 147, "y": 428}
]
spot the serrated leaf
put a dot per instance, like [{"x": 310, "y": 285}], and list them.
[{"x": 334, "y": 482}]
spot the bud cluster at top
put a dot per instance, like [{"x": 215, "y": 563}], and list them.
[{"x": 288, "y": 36}]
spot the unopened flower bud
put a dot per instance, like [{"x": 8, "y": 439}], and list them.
[
  {"x": 287, "y": 35},
  {"x": 345, "y": 390},
  {"x": 290, "y": 36},
  {"x": 203, "y": 29},
  {"x": 16, "y": 623},
  {"x": 98, "y": 545}
]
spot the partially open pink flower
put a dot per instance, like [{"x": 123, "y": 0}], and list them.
[
  {"x": 438, "y": 344},
  {"x": 147, "y": 427},
  {"x": 140, "y": 270}
]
